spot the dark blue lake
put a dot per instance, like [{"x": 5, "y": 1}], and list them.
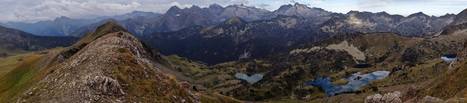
[{"x": 355, "y": 82}]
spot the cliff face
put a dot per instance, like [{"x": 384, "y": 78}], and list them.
[
  {"x": 458, "y": 25},
  {"x": 115, "y": 67}
]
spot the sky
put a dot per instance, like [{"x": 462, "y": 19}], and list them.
[{"x": 38, "y": 10}]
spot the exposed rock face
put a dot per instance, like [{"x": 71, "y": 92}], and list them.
[
  {"x": 394, "y": 97},
  {"x": 289, "y": 26},
  {"x": 105, "y": 85},
  {"x": 177, "y": 18},
  {"x": 458, "y": 25},
  {"x": 301, "y": 10},
  {"x": 461, "y": 18},
  {"x": 245, "y": 12},
  {"x": 115, "y": 67},
  {"x": 234, "y": 37},
  {"x": 430, "y": 99},
  {"x": 418, "y": 24}
]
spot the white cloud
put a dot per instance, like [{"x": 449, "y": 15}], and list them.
[
  {"x": 50, "y": 9},
  {"x": 35, "y": 10}
]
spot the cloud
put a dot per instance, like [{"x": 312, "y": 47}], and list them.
[
  {"x": 36, "y": 10},
  {"x": 263, "y": 5},
  {"x": 365, "y": 4},
  {"x": 50, "y": 9},
  {"x": 407, "y": 7}
]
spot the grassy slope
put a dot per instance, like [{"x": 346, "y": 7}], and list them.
[
  {"x": 17, "y": 79},
  {"x": 9, "y": 63},
  {"x": 189, "y": 68},
  {"x": 451, "y": 84},
  {"x": 9, "y": 52}
]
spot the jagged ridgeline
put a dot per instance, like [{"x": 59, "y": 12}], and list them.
[{"x": 108, "y": 65}]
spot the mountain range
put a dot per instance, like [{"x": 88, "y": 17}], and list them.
[
  {"x": 185, "y": 31},
  {"x": 15, "y": 41},
  {"x": 237, "y": 54},
  {"x": 146, "y": 23}
]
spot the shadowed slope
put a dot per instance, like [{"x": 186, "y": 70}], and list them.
[{"x": 13, "y": 41}]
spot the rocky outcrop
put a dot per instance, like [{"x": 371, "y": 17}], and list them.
[
  {"x": 394, "y": 97},
  {"x": 105, "y": 85},
  {"x": 459, "y": 24},
  {"x": 430, "y": 99}
]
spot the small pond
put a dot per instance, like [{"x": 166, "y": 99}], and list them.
[
  {"x": 449, "y": 58},
  {"x": 355, "y": 82},
  {"x": 250, "y": 79},
  {"x": 362, "y": 65}
]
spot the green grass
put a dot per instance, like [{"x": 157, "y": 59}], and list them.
[
  {"x": 189, "y": 68},
  {"x": 217, "y": 98},
  {"x": 15, "y": 81},
  {"x": 9, "y": 63}
]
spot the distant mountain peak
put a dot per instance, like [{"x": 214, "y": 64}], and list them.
[
  {"x": 461, "y": 17},
  {"x": 285, "y": 7},
  {"x": 215, "y": 6},
  {"x": 173, "y": 9},
  {"x": 235, "y": 21},
  {"x": 295, "y": 6},
  {"x": 109, "y": 27},
  {"x": 300, "y": 5},
  {"x": 139, "y": 12},
  {"x": 300, "y": 10},
  {"x": 62, "y": 18},
  {"x": 448, "y": 15},
  {"x": 237, "y": 6},
  {"x": 242, "y": 6},
  {"x": 195, "y": 7},
  {"x": 418, "y": 14},
  {"x": 464, "y": 11},
  {"x": 13, "y": 40},
  {"x": 383, "y": 13},
  {"x": 353, "y": 12}
]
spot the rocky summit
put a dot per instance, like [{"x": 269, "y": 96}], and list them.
[{"x": 115, "y": 67}]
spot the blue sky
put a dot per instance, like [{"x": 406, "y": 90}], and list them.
[{"x": 37, "y": 10}]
